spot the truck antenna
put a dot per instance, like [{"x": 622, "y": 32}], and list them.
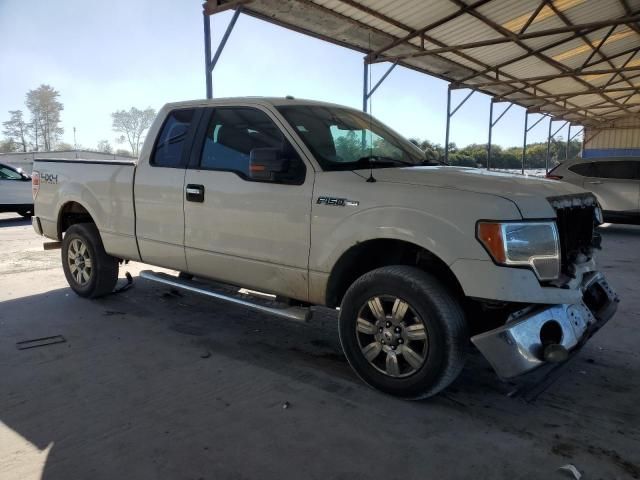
[{"x": 371, "y": 178}]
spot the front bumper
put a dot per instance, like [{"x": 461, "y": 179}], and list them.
[{"x": 519, "y": 345}]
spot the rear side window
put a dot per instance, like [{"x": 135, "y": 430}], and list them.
[
  {"x": 622, "y": 170},
  {"x": 583, "y": 169},
  {"x": 169, "y": 149}
]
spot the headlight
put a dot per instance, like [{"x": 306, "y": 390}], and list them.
[
  {"x": 597, "y": 213},
  {"x": 532, "y": 244}
]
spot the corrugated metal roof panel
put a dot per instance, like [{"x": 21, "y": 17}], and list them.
[{"x": 379, "y": 26}]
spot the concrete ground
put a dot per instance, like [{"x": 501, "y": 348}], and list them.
[{"x": 156, "y": 385}]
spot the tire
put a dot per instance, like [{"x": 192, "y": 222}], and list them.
[
  {"x": 25, "y": 213},
  {"x": 425, "y": 359},
  {"x": 98, "y": 278}
]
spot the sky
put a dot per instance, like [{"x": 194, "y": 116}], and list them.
[{"x": 104, "y": 56}]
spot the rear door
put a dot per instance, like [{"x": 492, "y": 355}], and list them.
[
  {"x": 240, "y": 231},
  {"x": 159, "y": 192},
  {"x": 616, "y": 184}
]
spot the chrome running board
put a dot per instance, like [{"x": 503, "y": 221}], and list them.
[{"x": 298, "y": 314}]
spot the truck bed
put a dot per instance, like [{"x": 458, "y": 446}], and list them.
[{"x": 103, "y": 187}]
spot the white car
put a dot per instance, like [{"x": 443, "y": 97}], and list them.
[
  {"x": 15, "y": 191},
  {"x": 614, "y": 181}
]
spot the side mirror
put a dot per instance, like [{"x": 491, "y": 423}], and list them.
[{"x": 266, "y": 163}]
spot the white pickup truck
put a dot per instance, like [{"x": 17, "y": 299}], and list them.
[{"x": 321, "y": 204}]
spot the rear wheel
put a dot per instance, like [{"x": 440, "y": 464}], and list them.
[
  {"x": 90, "y": 271},
  {"x": 403, "y": 332},
  {"x": 27, "y": 213}
]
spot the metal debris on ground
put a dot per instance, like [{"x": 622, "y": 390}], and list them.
[
  {"x": 286, "y": 405},
  {"x": 126, "y": 286},
  {"x": 572, "y": 470},
  {"x": 40, "y": 342}
]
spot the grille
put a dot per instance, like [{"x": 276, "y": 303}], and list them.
[{"x": 575, "y": 218}]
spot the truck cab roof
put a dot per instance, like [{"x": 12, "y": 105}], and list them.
[{"x": 270, "y": 101}]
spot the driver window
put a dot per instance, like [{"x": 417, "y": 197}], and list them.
[{"x": 231, "y": 135}]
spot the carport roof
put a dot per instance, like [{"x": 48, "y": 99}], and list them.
[{"x": 577, "y": 60}]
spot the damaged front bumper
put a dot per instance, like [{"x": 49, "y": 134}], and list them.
[{"x": 521, "y": 344}]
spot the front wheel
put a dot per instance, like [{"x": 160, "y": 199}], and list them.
[
  {"x": 90, "y": 271},
  {"x": 403, "y": 332}
]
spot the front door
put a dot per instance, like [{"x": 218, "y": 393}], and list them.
[
  {"x": 15, "y": 190},
  {"x": 249, "y": 233}
]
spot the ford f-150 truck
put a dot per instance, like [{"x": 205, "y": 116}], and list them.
[{"x": 320, "y": 204}]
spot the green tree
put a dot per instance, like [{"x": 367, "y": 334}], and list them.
[
  {"x": 17, "y": 129},
  {"x": 348, "y": 146},
  {"x": 104, "y": 146},
  {"x": 8, "y": 146},
  {"x": 45, "y": 116},
  {"x": 132, "y": 125}
]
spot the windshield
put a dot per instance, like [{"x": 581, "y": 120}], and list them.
[{"x": 344, "y": 139}]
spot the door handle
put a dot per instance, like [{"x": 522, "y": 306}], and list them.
[
  {"x": 195, "y": 193},
  {"x": 596, "y": 182}
]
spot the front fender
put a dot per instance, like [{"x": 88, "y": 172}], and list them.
[{"x": 448, "y": 233}]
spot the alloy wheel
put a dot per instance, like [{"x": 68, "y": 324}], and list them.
[{"x": 392, "y": 336}]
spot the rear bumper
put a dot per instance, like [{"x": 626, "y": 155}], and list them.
[{"x": 518, "y": 346}]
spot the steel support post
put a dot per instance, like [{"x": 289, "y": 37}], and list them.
[
  {"x": 225, "y": 37},
  {"x": 207, "y": 54},
  {"x": 210, "y": 63},
  {"x": 446, "y": 135},
  {"x": 493, "y": 124},
  {"x": 490, "y": 131},
  {"x": 451, "y": 114},
  {"x": 566, "y": 153},
  {"x": 524, "y": 143},
  {"x": 547, "y": 158}
]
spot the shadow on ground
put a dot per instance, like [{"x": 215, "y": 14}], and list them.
[
  {"x": 154, "y": 383},
  {"x": 16, "y": 221}
]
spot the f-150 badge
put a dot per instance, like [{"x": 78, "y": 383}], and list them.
[{"x": 338, "y": 202}]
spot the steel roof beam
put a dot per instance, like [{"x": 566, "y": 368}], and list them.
[
  {"x": 533, "y": 16},
  {"x": 628, "y": 10},
  {"x": 420, "y": 31},
  {"x": 518, "y": 40},
  {"x": 561, "y": 96},
  {"x": 545, "y": 48},
  {"x": 584, "y": 38},
  {"x": 211, "y": 7},
  {"x": 402, "y": 26},
  {"x": 516, "y": 37},
  {"x": 545, "y": 78}
]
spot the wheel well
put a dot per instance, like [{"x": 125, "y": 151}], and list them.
[
  {"x": 372, "y": 254},
  {"x": 70, "y": 214}
]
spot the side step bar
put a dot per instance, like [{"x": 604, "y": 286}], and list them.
[{"x": 298, "y": 314}]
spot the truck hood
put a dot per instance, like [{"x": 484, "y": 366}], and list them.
[{"x": 528, "y": 193}]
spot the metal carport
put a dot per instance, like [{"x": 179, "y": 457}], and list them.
[{"x": 574, "y": 61}]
